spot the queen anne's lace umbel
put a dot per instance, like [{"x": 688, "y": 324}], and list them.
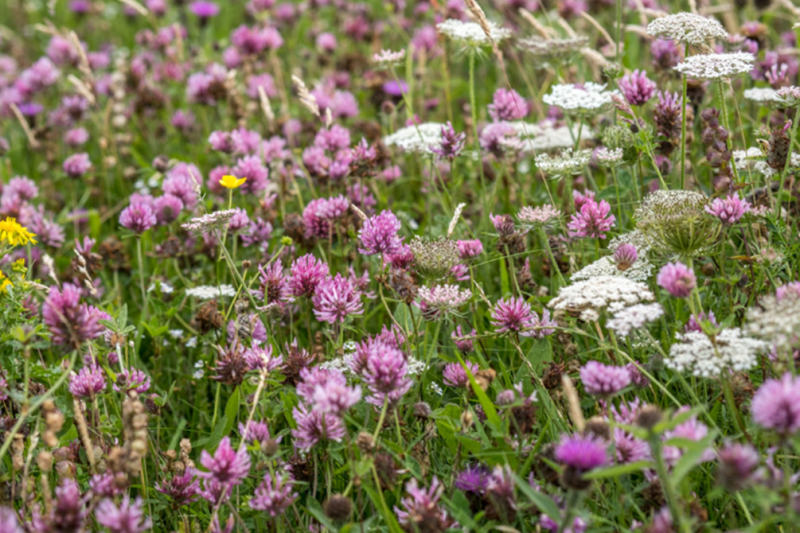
[
  {"x": 716, "y": 66},
  {"x": 687, "y": 28},
  {"x": 694, "y": 352},
  {"x": 587, "y": 98},
  {"x": 589, "y": 297},
  {"x": 416, "y": 139},
  {"x": 471, "y": 33}
]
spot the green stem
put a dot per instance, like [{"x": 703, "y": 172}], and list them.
[
  {"x": 381, "y": 419},
  {"x": 683, "y": 125},
  {"x": 474, "y": 110},
  {"x": 788, "y": 162},
  {"x": 669, "y": 492},
  {"x": 142, "y": 270}
]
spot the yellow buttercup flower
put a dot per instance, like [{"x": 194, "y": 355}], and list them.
[
  {"x": 231, "y": 182},
  {"x": 14, "y": 234}
]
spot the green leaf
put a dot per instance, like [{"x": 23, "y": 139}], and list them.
[
  {"x": 315, "y": 509},
  {"x": 544, "y": 502},
  {"x": 691, "y": 456},
  {"x": 471, "y": 445},
  {"x": 504, "y": 282},
  {"x": 617, "y": 470},
  {"x": 488, "y": 406},
  {"x": 676, "y": 420},
  {"x": 231, "y": 410}
]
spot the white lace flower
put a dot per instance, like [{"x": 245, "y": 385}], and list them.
[
  {"x": 696, "y": 353},
  {"x": 763, "y": 95},
  {"x": 564, "y": 164},
  {"x": 687, "y": 28},
  {"x": 600, "y": 292},
  {"x": 634, "y": 317},
  {"x": 776, "y": 320},
  {"x": 586, "y": 99},
  {"x": 207, "y": 292},
  {"x": 716, "y": 66},
  {"x": 388, "y": 58},
  {"x": 640, "y": 270},
  {"x": 608, "y": 158},
  {"x": 416, "y": 139},
  {"x": 471, "y": 33}
]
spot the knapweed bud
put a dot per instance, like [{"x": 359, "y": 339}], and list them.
[
  {"x": 649, "y": 416},
  {"x": 338, "y": 508}
]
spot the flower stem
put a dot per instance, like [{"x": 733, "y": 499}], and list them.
[
  {"x": 142, "y": 270},
  {"x": 683, "y": 126}
]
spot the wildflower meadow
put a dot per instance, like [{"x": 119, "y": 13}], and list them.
[{"x": 339, "y": 266}]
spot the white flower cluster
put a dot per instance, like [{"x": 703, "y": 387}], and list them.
[
  {"x": 590, "y": 296},
  {"x": 207, "y": 292},
  {"x": 605, "y": 266},
  {"x": 417, "y": 139},
  {"x": 207, "y": 222},
  {"x": 388, "y": 58},
  {"x": 763, "y": 95},
  {"x": 533, "y": 216},
  {"x": 446, "y": 298},
  {"x": 531, "y": 138},
  {"x": 471, "y": 33},
  {"x": 634, "y": 317},
  {"x": 731, "y": 350},
  {"x": 565, "y": 163},
  {"x": 342, "y": 364},
  {"x": 687, "y": 28},
  {"x": 716, "y": 66},
  {"x": 777, "y": 321},
  {"x": 752, "y": 160},
  {"x": 608, "y": 158},
  {"x": 585, "y": 99}
]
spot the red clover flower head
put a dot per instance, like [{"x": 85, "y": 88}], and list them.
[
  {"x": 133, "y": 379},
  {"x": 464, "y": 345},
  {"x": 421, "y": 510},
  {"x": 677, "y": 279},
  {"x": 507, "y": 105},
  {"x": 592, "y": 221},
  {"x": 314, "y": 426},
  {"x": 637, "y": 88},
  {"x": 379, "y": 234},
  {"x": 581, "y": 452},
  {"x": 604, "y": 380},
  {"x": 625, "y": 256},
  {"x": 138, "y": 217},
  {"x": 469, "y": 249},
  {"x": 728, "y": 210},
  {"x": 70, "y": 322},
  {"x": 274, "y": 495},
  {"x": 738, "y": 464},
  {"x": 514, "y": 315},
  {"x": 385, "y": 374},
  {"x": 226, "y": 466},
  {"x": 456, "y": 376},
  {"x": 77, "y": 165},
  {"x": 335, "y": 299},
  {"x": 452, "y": 143},
  {"x": 776, "y": 405},
  {"x": 255, "y": 431},
  {"x": 182, "y": 489},
  {"x": 273, "y": 285},
  {"x": 87, "y": 383},
  {"x": 335, "y": 398},
  {"x": 127, "y": 518},
  {"x": 8, "y": 520},
  {"x": 307, "y": 272}
]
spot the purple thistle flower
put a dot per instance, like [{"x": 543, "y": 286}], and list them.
[
  {"x": 335, "y": 299},
  {"x": 138, "y": 217},
  {"x": 507, "y": 105},
  {"x": 452, "y": 143},
  {"x": 204, "y": 9},
  {"x": 314, "y": 426},
  {"x": 421, "y": 510},
  {"x": 127, "y": 518},
  {"x": 77, "y": 165},
  {"x": 728, "y": 210},
  {"x": 133, "y": 379},
  {"x": 469, "y": 249},
  {"x": 637, "y": 88},
  {"x": 88, "y": 382},
  {"x": 738, "y": 464},
  {"x": 379, "y": 234},
  {"x": 167, "y": 208},
  {"x": 514, "y": 315},
  {"x": 274, "y": 495},
  {"x": 592, "y": 221},
  {"x": 604, "y": 380},
  {"x": 182, "y": 489},
  {"x": 8, "y": 520},
  {"x": 69, "y": 321},
  {"x": 625, "y": 256},
  {"x": 581, "y": 452},
  {"x": 463, "y": 344},
  {"x": 776, "y": 405},
  {"x": 385, "y": 373},
  {"x": 226, "y": 466},
  {"x": 456, "y": 376},
  {"x": 677, "y": 279}
]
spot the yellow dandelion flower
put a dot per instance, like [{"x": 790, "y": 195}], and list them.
[
  {"x": 232, "y": 182},
  {"x": 14, "y": 234}
]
